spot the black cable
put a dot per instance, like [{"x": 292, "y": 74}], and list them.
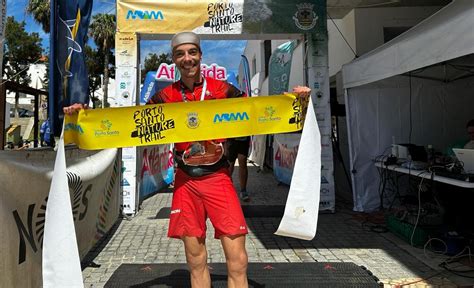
[
  {"x": 456, "y": 272},
  {"x": 411, "y": 127},
  {"x": 355, "y": 54},
  {"x": 335, "y": 145}
]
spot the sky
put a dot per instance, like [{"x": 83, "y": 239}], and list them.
[{"x": 224, "y": 53}]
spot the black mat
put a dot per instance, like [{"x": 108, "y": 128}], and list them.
[
  {"x": 250, "y": 211},
  {"x": 293, "y": 275}
]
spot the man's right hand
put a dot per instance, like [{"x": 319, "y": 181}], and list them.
[{"x": 74, "y": 108}]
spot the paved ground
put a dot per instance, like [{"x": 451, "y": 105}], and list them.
[{"x": 341, "y": 237}]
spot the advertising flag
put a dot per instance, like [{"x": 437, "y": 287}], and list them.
[
  {"x": 246, "y": 76},
  {"x": 70, "y": 83}
]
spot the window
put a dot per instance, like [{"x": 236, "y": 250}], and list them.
[
  {"x": 254, "y": 66},
  {"x": 267, "y": 52}
]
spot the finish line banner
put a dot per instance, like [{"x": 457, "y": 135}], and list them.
[{"x": 183, "y": 122}]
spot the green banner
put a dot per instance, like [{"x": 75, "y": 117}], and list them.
[{"x": 280, "y": 68}]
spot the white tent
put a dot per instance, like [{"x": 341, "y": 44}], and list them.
[{"x": 417, "y": 88}]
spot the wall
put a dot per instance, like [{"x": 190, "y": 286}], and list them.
[
  {"x": 339, "y": 52},
  {"x": 369, "y": 23}
]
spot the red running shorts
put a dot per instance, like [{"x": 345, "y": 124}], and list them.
[{"x": 196, "y": 198}]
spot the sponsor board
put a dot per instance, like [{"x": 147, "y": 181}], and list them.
[{"x": 94, "y": 195}]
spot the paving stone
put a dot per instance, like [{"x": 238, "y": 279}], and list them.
[{"x": 339, "y": 239}]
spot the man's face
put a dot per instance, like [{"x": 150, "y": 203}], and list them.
[
  {"x": 470, "y": 132},
  {"x": 187, "y": 58}
]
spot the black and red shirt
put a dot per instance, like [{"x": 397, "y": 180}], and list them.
[{"x": 178, "y": 92}]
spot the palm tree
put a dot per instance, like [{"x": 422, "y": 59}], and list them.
[
  {"x": 102, "y": 30},
  {"x": 40, "y": 11}
]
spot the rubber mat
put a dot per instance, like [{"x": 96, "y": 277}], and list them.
[
  {"x": 250, "y": 211},
  {"x": 294, "y": 275}
]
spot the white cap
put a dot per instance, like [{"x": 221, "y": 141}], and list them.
[{"x": 185, "y": 38}]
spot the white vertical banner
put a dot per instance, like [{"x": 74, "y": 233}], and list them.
[
  {"x": 126, "y": 58},
  {"x": 3, "y": 19},
  {"x": 129, "y": 180},
  {"x": 302, "y": 205},
  {"x": 318, "y": 80},
  {"x": 61, "y": 262}
]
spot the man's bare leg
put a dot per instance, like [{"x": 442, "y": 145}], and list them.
[
  {"x": 196, "y": 257},
  {"x": 237, "y": 260}
]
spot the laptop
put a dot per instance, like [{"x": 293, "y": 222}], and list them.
[{"x": 465, "y": 156}]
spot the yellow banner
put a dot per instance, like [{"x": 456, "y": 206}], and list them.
[
  {"x": 183, "y": 122},
  {"x": 143, "y": 16}
]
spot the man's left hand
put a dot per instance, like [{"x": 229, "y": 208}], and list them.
[{"x": 302, "y": 92}]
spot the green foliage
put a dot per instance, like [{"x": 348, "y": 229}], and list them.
[
  {"x": 153, "y": 61},
  {"x": 40, "y": 11},
  {"x": 95, "y": 65},
  {"x": 21, "y": 49},
  {"x": 102, "y": 30}
]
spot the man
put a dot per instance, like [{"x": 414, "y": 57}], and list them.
[
  {"x": 45, "y": 133},
  {"x": 203, "y": 187},
  {"x": 470, "y": 133},
  {"x": 238, "y": 148},
  {"x": 466, "y": 143}
]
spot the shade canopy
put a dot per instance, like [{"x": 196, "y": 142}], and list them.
[{"x": 446, "y": 35}]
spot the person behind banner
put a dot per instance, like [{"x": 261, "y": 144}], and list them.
[
  {"x": 203, "y": 187},
  {"x": 465, "y": 143},
  {"x": 238, "y": 149},
  {"x": 45, "y": 134}
]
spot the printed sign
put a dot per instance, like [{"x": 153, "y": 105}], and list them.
[{"x": 166, "y": 72}]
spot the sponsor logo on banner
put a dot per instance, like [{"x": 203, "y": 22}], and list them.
[
  {"x": 268, "y": 116},
  {"x": 320, "y": 116},
  {"x": 231, "y": 117},
  {"x": 319, "y": 94},
  {"x": 166, "y": 72},
  {"x": 125, "y": 94},
  {"x": 126, "y": 38},
  {"x": 325, "y": 204},
  {"x": 324, "y": 180},
  {"x": 325, "y": 191},
  {"x": 319, "y": 37},
  {"x": 125, "y": 64},
  {"x": 123, "y": 85},
  {"x": 145, "y": 15},
  {"x": 285, "y": 156},
  {"x": 31, "y": 227},
  {"x": 73, "y": 127},
  {"x": 221, "y": 17},
  {"x": 150, "y": 123},
  {"x": 325, "y": 138},
  {"x": 105, "y": 129},
  {"x": 125, "y": 75},
  {"x": 193, "y": 120},
  {"x": 305, "y": 18},
  {"x": 125, "y": 53}
]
